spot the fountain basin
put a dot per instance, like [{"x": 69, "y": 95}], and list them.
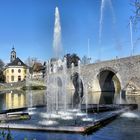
[{"x": 83, "y": 128}]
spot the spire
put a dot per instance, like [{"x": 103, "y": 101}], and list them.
[
  {"x": 13, "y": 48},
  {"x": 13, "y": 54}
]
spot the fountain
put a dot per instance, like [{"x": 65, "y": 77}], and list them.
[
  {"x": 101, "y": 21},
  {"x": 56, "y": 80},
  {"x": 57, "y": 45},
  {"x": 60, "y": 104},
  {"x": 29, "y": 93},
  {"x": 102, "y": 8},
  {"x": 57, "y": 77},
  {"x": 64, "y": 109}
]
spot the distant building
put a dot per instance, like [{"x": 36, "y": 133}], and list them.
[
  {"x": 37, "y": 71},
  {"x": 16, "y": 70},
  {"x": 55, "y": 64}
]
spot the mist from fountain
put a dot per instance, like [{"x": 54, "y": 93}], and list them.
[
  {"x": 101, "y": 20},
  {"x": 29, "y": 93},
  {"x": 57, "y": 79},
  {"x": 131, "y": 38},
  {"x": 72, "y": 71},
  {"x": 79, "y": 82},
  {"x": 121, "y": 99},
  {"x": 57, "y": 87},
  {"x": 131, "y": 115},
  {"x": 86, "y": 98},
  {"x": 102, "y": 8},
  {"x": 57, "y": 44},
  {"x": 59, "y": 101},
  {"x": 64, "y": 81},
  {"x": 112, "y": 11},
  {"x": 120, "y": 102}
]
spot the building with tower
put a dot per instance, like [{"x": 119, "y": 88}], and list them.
[{"x": 16, "y": 70}]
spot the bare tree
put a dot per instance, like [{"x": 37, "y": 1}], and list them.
[
  {"x": 135, "y": 18},
  {"x": 1, "y": 64},
  {"x": 85, "y": 60},
  {"x": 1, "y": 71},
  {"x": 30, "y": 61}
]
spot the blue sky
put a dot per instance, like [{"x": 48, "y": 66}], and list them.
[{"x": 28, "y": 25}]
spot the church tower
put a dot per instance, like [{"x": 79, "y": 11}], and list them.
[{"x": 13, "y": 55}]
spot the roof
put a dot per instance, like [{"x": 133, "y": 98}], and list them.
[
  {"x": 37, "y": 67},
  {"x": 16, "y": 62}
]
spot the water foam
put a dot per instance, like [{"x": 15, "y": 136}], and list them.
[
  {"x": 48, "y": 122},
  {"x": 130, "y": 115}
]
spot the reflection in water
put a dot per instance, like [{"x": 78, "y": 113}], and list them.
[
  {"x": 19, "y": 99},
  {"x": 107, "y": 98},
  {"x": 103, "y": 97},
  {"x": 133, "y": 100},
  {"x": 121, "y": 128},
  {"x": 15, "y": 100}
]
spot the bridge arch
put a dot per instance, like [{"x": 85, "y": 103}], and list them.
[{"x": 107, "y": 82}]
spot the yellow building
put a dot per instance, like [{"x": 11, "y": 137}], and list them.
[{"x": 16, "y": 70}]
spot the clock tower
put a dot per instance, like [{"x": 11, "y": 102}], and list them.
[{"x": 13, "y": 54}]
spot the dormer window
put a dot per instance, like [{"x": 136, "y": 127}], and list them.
[{"x": 19, "y": 63}]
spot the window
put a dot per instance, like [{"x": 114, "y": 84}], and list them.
[
  {"x": 24, "y": 77},
  {"x": 19, "y": 78},
  {"x": 12, "y": 70},
  {"x": 12, "y": 78},
  {"x": 7, "y": 71},
  {"x": 7, "y": 78},
  {"x": 19, "y": 70},
  {"x": 25, "y": 71}
]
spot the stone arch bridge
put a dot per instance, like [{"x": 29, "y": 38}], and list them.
[{"x": 118, "y": 76}]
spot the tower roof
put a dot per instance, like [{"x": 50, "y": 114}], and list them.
[{"x": 13, "y": 49}]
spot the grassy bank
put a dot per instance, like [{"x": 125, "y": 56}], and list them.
[{"x": 32, "y": 85}]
